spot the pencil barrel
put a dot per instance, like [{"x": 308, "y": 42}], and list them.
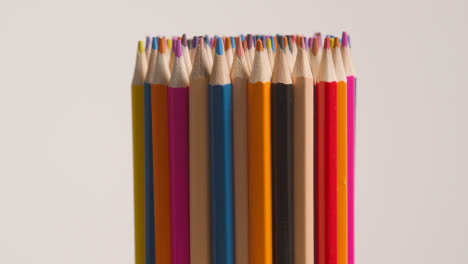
[
  {"x": 221, "y": 182},
  {"x": 178, "y": 162},
  {"x": 282, "y": 173}
]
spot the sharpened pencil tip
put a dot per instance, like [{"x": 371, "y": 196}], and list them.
[
  {"x": 268, "y": 43},
  {"x": 239, "y": 49},
  {"x": 141, "y": 48},
  {"x": 272, "y": 39},
  {"x": 249, "y": 41},
  {"x": 148, "y": 42},
  {"x": 161, "y": 47},
  {"x": 336, "y": 42},
  {"x": 219, "y": 46},
  {"x": 327, "y": 43},
  {"x": 280, "y": 42},
  {"x": 195, "y": 42},
  {"x": 155, "y": 44},
  {"x": 178, "y": 48},
  {"x": 233, "y": 43},
  {"x": 302, "y": 42},
  {"x": 184, "y": 40},
  {"x": 259, "y": 46},
  {"x": 345, "y": 39},
  {"x": 227, "y": 43}
]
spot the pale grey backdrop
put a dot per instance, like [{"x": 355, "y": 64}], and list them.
[{"x": 65, "y": 135}]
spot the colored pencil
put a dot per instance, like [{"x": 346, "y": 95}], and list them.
[
  {"x": 222, "y": 203},
  {"x": 303, "y": 112},
  {"x": 246, "y": 54},
  {"x": 228, "y": 53},
  {"x": 271, "y": 56},
  {"x": 259, "y": 164},
  {"x": 193, "y": 48},
  {"x": 326, "y": 160},
  {"x": 199, "y": 147},
  {"x": 185, "y": 53},
  {"x": 351, "y": 119},
  {"x": 250, "y": 49},
  {"x": 315, "y": 57},
  {"x": 282, "y": 160},
  {"x": 148, "y": 47},
  {"x": 208, "y": 51},
  {"x": 293, "y": 49},
  {"x": 288, "y": 54},
  {"x": 168, "y": 51},
  {"x": 138, "y": 125},
  {"x": 149, "y": 191},
  {"x": 178, "y": 91},
  {"x": 342, "y": 155},
  {"x": 162, "y": 197},
  {"x": 240, "y": 79},
  {"x": 172, "y": 55}
]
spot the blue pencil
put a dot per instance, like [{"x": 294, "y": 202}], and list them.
[
  {"x": 221, "y": 182},
  {"x": 149, "y": 191}
]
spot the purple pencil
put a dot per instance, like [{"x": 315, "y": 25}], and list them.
[{"x": 178, "y": 92}]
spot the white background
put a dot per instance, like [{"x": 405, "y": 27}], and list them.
[{"x": 65, "y": 124}]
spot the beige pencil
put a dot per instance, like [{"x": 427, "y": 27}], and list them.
[
  {"x": 303, "y": 112},
  {"x": 199, "y": 182},
  {"x": 246, "y": 55},
  {"x": 240, "y": 79}
]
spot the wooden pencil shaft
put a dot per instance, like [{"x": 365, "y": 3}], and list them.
[
  {"x": 240, "y": 161},
  {"x": 200, "y": 241},
  {"x": 303, "y": 114}
]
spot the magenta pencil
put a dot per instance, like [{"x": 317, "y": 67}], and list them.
[
  {"x": 178, "y": 96},
  {"x": 350, "y": 78}
]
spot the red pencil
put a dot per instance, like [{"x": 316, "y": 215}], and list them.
[{"x": 326, "y": 160}]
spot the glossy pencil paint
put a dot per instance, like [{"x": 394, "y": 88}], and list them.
[
  {"x": 178, "y": 96},
  {"x": 162, "y": 197},
  {"x": 138, "y": 133},
  {"x": 326, "y": 160}
]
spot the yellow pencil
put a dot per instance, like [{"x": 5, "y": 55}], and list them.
[{"x": 138, "y": 152}]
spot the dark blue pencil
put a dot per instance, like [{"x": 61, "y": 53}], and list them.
[{"x": 221, "y": 182}]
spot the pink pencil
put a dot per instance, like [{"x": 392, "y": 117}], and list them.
[
  {"x": 350, "y": 78},
  {"x": 178, "y": 92}
]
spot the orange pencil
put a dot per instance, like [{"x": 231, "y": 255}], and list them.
[
  {"x": 259, "y": 163},
  {"x": 162, "y": 214},
  {"x": 342, "y": 155}
]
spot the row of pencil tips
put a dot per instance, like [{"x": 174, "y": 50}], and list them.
[
  {"x": 244, "y": 150},
  {"x": 298, "y": 51}
]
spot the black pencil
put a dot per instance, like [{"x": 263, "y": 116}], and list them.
[{"x": 282, "y": 159}]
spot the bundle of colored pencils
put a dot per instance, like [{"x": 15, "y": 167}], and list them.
[{"x": 244, "y": 150}]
